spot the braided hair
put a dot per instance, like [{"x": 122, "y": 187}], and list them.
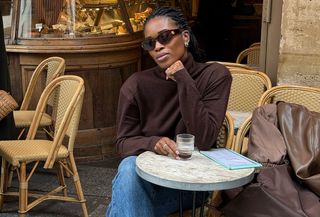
[{"x": 177, "y": 16}]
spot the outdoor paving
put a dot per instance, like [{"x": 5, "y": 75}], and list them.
[{"x": 96, "y": 179}]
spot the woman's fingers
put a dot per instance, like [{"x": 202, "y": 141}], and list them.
[{"x": 166, "y": 146}]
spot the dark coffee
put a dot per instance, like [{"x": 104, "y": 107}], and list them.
[{"x": 184, "y": 155}]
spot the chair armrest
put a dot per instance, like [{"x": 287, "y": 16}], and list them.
[{"x": 242, "y": 132}]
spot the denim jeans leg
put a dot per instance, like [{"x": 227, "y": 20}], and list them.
[{"x": 130, "y": 193}]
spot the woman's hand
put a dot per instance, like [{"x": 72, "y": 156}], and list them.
[
  {"x": 166, "y": 146},
  {"x": 178, "y": 65}
]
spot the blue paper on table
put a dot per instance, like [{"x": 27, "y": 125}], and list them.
[{"x": 230, "y": 159}]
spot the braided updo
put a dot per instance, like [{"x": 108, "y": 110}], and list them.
[{"x": 177, "y": 16}]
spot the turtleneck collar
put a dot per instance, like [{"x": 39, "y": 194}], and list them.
[{"x": 189, "y": 65}]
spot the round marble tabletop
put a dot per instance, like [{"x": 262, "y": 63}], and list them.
[{"x": 196, "y": 174}]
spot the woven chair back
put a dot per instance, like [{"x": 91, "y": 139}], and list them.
[
  {"x": 232, "y": 65},
  {"x": 255, "y": 44},
  {"x": 250, "y": 56},
  {"x": 246, "y": 89},
  {"x": 306, "y": 96},
  {"x": 48, "y": 69},
  {"x": 69, "y": 103}
]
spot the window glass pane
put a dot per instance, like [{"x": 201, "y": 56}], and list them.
[
  {"x": 70, "y": 18},
  {"x": 6, "y": 11},
  {"x": 138, "y": 11}
]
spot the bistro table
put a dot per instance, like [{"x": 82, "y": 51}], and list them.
[{"x": 196, "y": 174}]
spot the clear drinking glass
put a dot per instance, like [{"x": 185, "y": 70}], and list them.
[{"x": 185, "y": 145}]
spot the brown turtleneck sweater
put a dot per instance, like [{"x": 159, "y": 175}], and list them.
[{"x": 151, "y": 107}]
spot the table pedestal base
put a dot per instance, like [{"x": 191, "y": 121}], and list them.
[{"x": 193, "y": 204}]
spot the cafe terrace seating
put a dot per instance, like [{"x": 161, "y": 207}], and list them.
[
  {"x": 49, "y": 69},
  {"x": 302, "y": 95},
  {"x": 31, "y": 151}
]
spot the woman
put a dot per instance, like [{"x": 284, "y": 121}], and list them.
[{"x": 177, "y": 96}]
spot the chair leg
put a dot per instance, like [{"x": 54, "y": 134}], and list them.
[
  {"x": 77, "y": 185},
  {"x": 67, "y": 173},
  {"x": 3, "y": 179},
  {"x": 61, "y": 179},
  {"x": 23, "y": 190},
  {"x": 10, "y": 176}
]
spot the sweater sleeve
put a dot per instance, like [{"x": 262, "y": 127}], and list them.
[
  {"x": 129, "y": 136},
  {"x": 203, "y": 113}
]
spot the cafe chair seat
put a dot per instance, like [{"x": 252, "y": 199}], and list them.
[
  {"x": 24, "y": 118},
  {"x": 28, "y": 150}
]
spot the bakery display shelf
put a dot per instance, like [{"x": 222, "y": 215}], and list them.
[{"x": 100, "y": 6}]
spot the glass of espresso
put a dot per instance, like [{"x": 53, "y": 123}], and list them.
[{"x": 185, "y": 145}]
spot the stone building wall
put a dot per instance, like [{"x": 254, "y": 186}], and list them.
[{"x": 299, "y": 60}]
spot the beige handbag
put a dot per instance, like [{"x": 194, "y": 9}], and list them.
[{"x": 7, "y": 104}]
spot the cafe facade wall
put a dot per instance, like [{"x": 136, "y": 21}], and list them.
[{"x": 299, "y": 53}]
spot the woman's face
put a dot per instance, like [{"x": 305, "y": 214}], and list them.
[{"x": 166, "y": 55}]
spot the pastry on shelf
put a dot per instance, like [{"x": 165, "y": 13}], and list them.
[
  {"x": 89, "y": 21},
  {"x": 82, "y": 27},
  {"x": 60, "y": 27},
  {"x": 143, "y": 15},
  {"x": 122, "y": 30},
  {"x": 106, "y": 26},
  {"x": 45, "y": 29},
  {"x": 137, "y": 25},
  {"x": 63, "y": 18}
]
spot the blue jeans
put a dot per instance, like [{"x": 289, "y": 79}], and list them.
[{"x": 134, "y": 197}]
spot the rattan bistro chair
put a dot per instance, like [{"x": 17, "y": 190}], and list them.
[
  {"x": 250, "y": 56},
  {"x": 246, "y": 89},
  {"x": 52, "y": 152},
  {"x": 49, "y": 68},
  {"x": 245, "y": 81},
  {"x": 255, "y": 44},
  {"x": 306, "y": 96}
]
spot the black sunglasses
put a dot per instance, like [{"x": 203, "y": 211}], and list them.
[{"x": 164, "y": 37}]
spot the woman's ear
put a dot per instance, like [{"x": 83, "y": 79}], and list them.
[{"x": 186, "y": 37}]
